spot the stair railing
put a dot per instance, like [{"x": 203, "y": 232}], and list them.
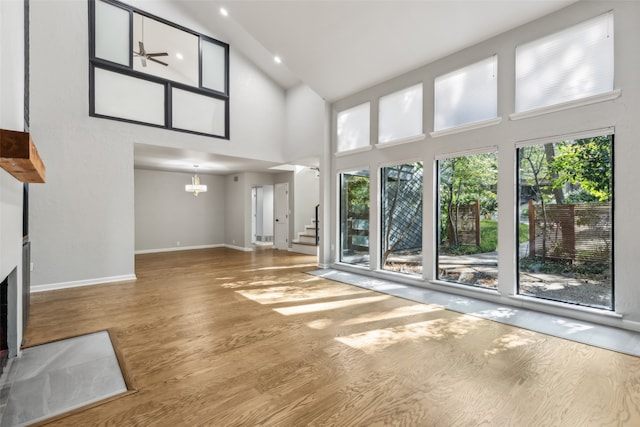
[{"x": 317, "y": 230}]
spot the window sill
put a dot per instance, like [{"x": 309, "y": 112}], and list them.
[
  {"x": 353, "y": 151},
  {"x": 567, "y": 105},
  {"x": 465, "y": 287},
  {"x": 466, "y": 128},
  {"x": 407, "y": 140},
  {"x": 530, "y": 302}
]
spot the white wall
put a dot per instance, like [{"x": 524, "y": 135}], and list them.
[
  {"x": 621, "y": 113},
  {"x": 306, "y": 197},
  {"x": 234, "y": 211},
  {"x": 12, "y": 118},
  {"x": 305, "y": 138},
  {"x": 305, "y": 115},
  {"x": 166, "y": 214},
  {"x": 82, "y": 221}
]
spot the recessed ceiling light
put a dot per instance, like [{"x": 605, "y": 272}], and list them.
[
  {"x": 224, "y": 12},
  {"x": 277, "y": 59},
  {"x": 179, "y": 56}
]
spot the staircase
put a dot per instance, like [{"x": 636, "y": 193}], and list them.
[{"x": 306, "y": 243}]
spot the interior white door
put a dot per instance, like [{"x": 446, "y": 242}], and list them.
[
  {"x": 281, "y": 208},
  {"x": 254, "y": 213}
]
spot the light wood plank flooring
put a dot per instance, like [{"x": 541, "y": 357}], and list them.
[{"x": 226, "y": 338}]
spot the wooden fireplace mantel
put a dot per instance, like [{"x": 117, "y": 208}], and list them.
[{"x": 19, "y": 157}]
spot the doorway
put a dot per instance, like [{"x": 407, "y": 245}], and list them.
[
  {"x": 262, "y": 215},
  {"x": 282, "y": 216}
]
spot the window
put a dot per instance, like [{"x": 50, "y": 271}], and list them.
[
  {"x": 468, "y": 220},
  {"x": 566, "y": 221},
  {"x": 112, "y": 33},
  {"x": 149, "y": 71},
  {"x": 401, "y": 218},
  {"x": 569, "y": 65},
  {"x": 353, "y": 128},
  {"x": 468, "y": 95},
  {"x": 173, "y": 54},
  {"x": 354, "y": 217},
  {"x": 400, "y": 114}
]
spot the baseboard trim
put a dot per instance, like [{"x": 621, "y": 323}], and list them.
[
  {"x": 238, "y": 248},
  {"x": 78, "y": 283},
  {"x": 177, "y": 248}
]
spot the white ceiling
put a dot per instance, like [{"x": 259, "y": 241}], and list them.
[
  {"x": 339, "y": 47},
  {"x": 180, "y": 160}
]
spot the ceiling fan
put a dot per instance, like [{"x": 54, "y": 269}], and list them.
[{"x": 144, "y": 55}]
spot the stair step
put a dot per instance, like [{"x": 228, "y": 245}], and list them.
[
  {"x": 297, "y": 242},
  {"x": 306, "y": 239}
]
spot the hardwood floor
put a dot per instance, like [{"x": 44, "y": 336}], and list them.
[{"x": 226, "y": 338}]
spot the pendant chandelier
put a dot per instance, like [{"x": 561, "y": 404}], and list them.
[{"x": 195, "y": 187}]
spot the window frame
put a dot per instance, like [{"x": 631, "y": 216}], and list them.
[
  {"x": 476, "y": 124},
  {"x": 382, "y": 219},
  {"x": 96, "y": 62},
  {"x": 358, "y": 149},
  {"x": 339, "y": 228},
  {"x": 407, "y": 138},
  {"x": 610, "y": 131},
  {"x": 582, "y": 100},
  {"x": 436, "y": 223}
]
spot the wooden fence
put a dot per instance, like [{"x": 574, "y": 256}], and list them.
[
  {"x": 581, "y": 233},
  {"x": 467, "y": 219}
]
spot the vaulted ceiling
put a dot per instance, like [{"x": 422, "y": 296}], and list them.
[{"x": 339, "y": 47}]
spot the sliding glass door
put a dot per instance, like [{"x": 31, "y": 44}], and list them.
[{"x": 354, "y": 217}]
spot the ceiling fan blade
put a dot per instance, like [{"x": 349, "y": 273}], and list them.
[
  {"x": 159, "y": 62},
  {"x": 157, "y": 54},
  {"x": 141, "y": 46},
  {"x": 144, "y": 61}
]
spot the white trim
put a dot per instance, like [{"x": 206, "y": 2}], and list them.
[
  {"x": 567, "y": 137},
  {"x": 461, "y": 286},
  {"x": 631, "y": 325},
  {"x": 470, "y": 152},
  {"x": 350, "y": 169},
  {"x": 601, "y": 97},
  {"x": 303, "y": 249},
  {"x": 238, "y": 248},
  {"x": 466, "y": 128},
  {"x": 353, "y": 151},
  {"x": 78, "y": 283},
  {"x": 400, "y": 141},
  {"x": 534, "y": 303},
  {"x": 399, "y": 162},
  {"x": 178, "y": 248}
]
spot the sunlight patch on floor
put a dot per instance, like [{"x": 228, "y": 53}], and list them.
[
  {"x": 282, "y": 267},
  {"x": 377, "y": 316},
  {"x": 379, "y": 339},
  {"x": 284, "y": 294},
  {"x": 393, "y": 314},
  {"x": 510, "y": 341},
  {"x": 332, "y": 305}
]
